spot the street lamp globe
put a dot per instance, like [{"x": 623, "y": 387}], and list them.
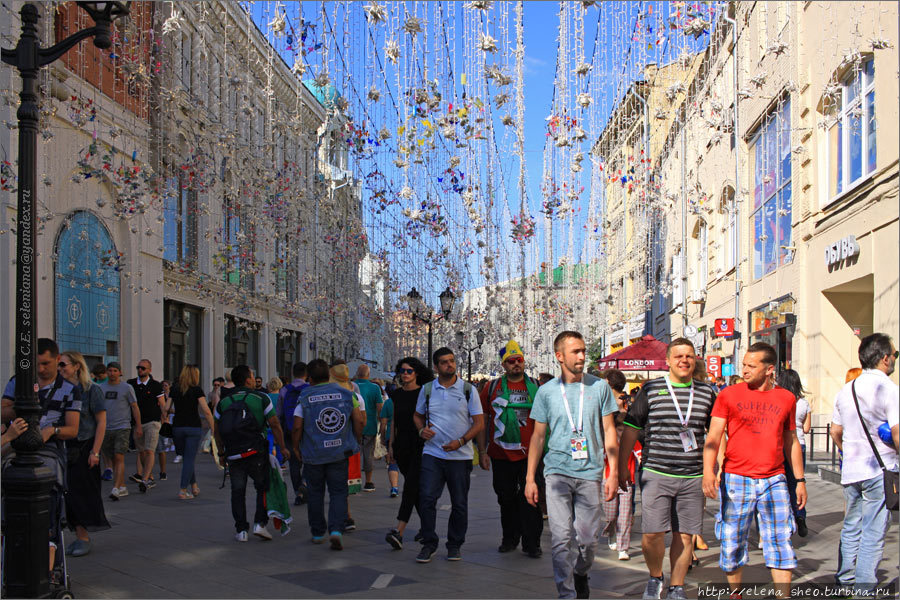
[
  {"x": 479, "y": 337},
  {"x": 446, "y": 297},
  {"x": 414, "y": 300},
  {"x": 460, "y": 338},
  {"x": 103, "y": 14}
]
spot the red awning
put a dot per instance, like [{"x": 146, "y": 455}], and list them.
[{"x": 649, "y": 354}]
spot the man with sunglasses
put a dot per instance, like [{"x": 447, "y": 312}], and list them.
[
  {"x": 503, "y": 443},
  {"x": 151, "y": 399}
]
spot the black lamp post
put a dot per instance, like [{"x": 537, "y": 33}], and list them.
[
  {"x": 27, "y": 481},
  {"x": 418, "y": 308},
  {"x": 479, "y": 340}
]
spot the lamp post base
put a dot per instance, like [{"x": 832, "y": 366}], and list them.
[{"x": 27, "y": 482}]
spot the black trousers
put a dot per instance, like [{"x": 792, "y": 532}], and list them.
[
  {"x": 518, "y": 519},
  {"x": 409, "y": 461},
  {"x": 255, "y": 467}
]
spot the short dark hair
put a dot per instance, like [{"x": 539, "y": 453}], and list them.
[
  {"x": 769, "y": 356},
  {"x": 98, "y": 370},
  {"x": 440, "y": 352},
  {"x": 563, "y": 336},
  {"x": 219, "y": 379},
  {"x": 299, "y": 369},
  {"x": 616, "y": 379},
  {"x": 544, "y": 378},
  {"x": 318, "y": 371},
  {"x": 47, "y": 345},
  {"x": 240, "y": 374},
  {"x": 682, "y": 341},
  {"x": 872, "y": 349}
]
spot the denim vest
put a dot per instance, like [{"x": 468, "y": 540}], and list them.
[{"x": 327, "y": 424}]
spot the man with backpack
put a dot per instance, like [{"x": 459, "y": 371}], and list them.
[
  {"x": 448, "y": 416},
  {"x": 240, "y": 420},
  {"x": 290, "y": 394},
  {"x": 503, "y": 443},
  {"x": 327, "y": 422}
]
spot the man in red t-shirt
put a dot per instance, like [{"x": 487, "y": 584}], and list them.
[
  {"x": 759, "y": 419},
  {"x": 507, "y": 405}
]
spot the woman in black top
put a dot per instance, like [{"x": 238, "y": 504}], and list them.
[
  {"x": 189, "y": 402},
  {"x": 405, "y": 444}
]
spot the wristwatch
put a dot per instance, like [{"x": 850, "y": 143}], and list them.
[
  {"x": 801, "y": 480},
  {"x": 95, "y": 454},
  {"x": 56, "y": 431},
  {"x": 462, "y": 441}
]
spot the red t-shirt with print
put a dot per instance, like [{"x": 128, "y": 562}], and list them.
[
  {"x": 526, "y": 423},
  {"x": 755, "y": 422}
]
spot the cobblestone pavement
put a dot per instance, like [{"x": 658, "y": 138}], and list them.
[{"x": 162, "y": 547}]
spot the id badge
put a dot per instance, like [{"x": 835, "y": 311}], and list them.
[
  {"x": 579, "y": 448},
  {"x": 688, "y": 441}
]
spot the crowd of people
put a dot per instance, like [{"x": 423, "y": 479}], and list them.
[{"x": 570, "y": 449}]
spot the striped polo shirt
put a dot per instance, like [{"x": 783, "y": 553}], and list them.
[{"x": 654, "y": 412}]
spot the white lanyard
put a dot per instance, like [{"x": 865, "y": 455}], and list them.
[
  {"x": 562, "y": 388},
  {"x": 683, "y": 420}
]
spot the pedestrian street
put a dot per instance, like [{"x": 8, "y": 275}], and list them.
[{"x": 161, "y": 547}]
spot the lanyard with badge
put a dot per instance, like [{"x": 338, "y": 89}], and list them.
[
  {"x": 578, "y": 442},
  {"x": 688, "y": 441}
]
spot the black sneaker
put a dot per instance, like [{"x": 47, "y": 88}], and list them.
[
  {"x": 506, "y": 547},
  {"x": 298, "y": 501},
  {"x": 582, "y": 589},
  {"x": 425, "y": 554},
  {"x": 394, "y": 539},
  {"x": 419, "y": 537},
  {"x": 534, "y": 553},
  {"x": 163, "y": 476},
  {"x": 136, "y": 478},
  {"x": 369, "y": 487},
  {"x": 349, "y": 525},
  {"x": 453, "y": 554},
  {"x": 142, "y": 487},
  {"x": 151, "y": 483},
  {"x": 802, "y": 529}
]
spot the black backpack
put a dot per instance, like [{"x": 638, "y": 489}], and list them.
[{"x": 240, "y": 430}]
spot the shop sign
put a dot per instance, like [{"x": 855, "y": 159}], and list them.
[
  {"x": 714, "y": 365},
  {"x": 727, "y": 370},
  {"x": 842, "y": 249},
  {"x": 724, "y": 327}
]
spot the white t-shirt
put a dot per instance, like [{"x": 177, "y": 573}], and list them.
[
  {"x": 802, "y": 411},
  {"x": 879, "y": 401}
]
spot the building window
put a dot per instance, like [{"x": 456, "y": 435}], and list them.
[
  {"x": 182, "y": 339},
  {"x": 770, "y": 155},
  {"x": 288, "y": 348},
  {"x": 241, "y": 343},
  {"x": 180, "y": 228},
  {"x": 239, "y": 245},
  {"x": 186, "y": 62},
  {"x": 851, "y": 138}
]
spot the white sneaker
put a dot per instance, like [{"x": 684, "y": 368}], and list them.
[
  {"x": 612, "y": 546},
  {"x": 177, "y": 459},
  {"x": 760, "y": 546},
  {"x": 240, "y": 536},
  {"x": 261, "y": 531},
  {"x": 623, "y": 555},
  {"x": 123, "y": 491}
]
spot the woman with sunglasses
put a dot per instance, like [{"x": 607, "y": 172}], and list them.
[
  {"x": 84, "y": 500},
  {"x": 189, "y": 402},
  {"x": 405, "y": 445}
]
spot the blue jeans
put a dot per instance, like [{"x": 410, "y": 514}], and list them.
[
  {"x": 435, "y": 473},
  {"x": 862, "y": 537},
  {"x": 187, "y": 442},
  {"x": 334, "y": 475},
  {"x": 574, "y": 510}
]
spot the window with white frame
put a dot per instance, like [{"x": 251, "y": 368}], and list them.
[
  {"x": 186, "y": 61},
  {"x": 772, "y": 207},
  {"x": 180, "y": 225},
  {"x": 851, "y": 138}
]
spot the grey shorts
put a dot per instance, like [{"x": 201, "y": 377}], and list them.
[
  {"x": 115, "y": 441},
  {"x": 368, "y": 453},
  {"x": 671, "y": 503},
  {"x": 150, "y": 438}
]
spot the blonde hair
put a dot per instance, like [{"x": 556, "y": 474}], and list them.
[
  {"x": 274, "y": 384},
  {"x": 189, "y": 377},
  {"x": 84, "y": 375}
]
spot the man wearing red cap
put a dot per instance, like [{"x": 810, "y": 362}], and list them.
[{"x": 507, "y": 403}]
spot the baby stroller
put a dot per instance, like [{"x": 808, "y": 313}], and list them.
[{"x": 60, "y": 584}]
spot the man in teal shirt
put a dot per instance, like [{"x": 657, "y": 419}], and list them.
[
  {"x": 568, "y": 414},
  {"x": 371, "y": 394}
]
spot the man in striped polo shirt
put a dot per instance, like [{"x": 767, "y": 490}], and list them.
[{"x": 674, "y": 414}]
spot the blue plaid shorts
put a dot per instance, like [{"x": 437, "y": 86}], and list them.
[{"x": 742, "y": 498}]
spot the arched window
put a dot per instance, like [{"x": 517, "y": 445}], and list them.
[{"x": 87, "y": 288}]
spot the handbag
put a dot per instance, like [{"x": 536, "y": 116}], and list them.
[
  {"x": 891, "y": 478},
  {"x": 165, "y": 430}
]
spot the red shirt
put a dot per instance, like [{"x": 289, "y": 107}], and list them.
[
  {"x": 755, "y": 422},
  {"x": 525, "y": 430}
]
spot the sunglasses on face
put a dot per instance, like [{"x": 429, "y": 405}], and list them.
[
  {"x": 896, "y": 354},
  {"x": 140, "y": 368},
  {"x": 406, "y": 371},
  {"x": 515, "y": 359},
  {"x": 62, "y": 364}
]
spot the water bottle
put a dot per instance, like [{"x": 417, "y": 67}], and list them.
[{"x": 884, "y": 432}]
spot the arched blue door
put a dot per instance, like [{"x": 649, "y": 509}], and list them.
[{"x": 87, "y": 289}]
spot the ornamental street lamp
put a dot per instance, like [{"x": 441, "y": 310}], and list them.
[
  {"x": 27, "y": 481},
  {"x": 422, "y": 312},
  {"x": 479, "y": 340}
]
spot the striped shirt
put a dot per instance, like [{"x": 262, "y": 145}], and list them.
[{"x": 654, "y": 412}]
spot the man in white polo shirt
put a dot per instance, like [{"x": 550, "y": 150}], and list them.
[{"x": 448, "y": 416}]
